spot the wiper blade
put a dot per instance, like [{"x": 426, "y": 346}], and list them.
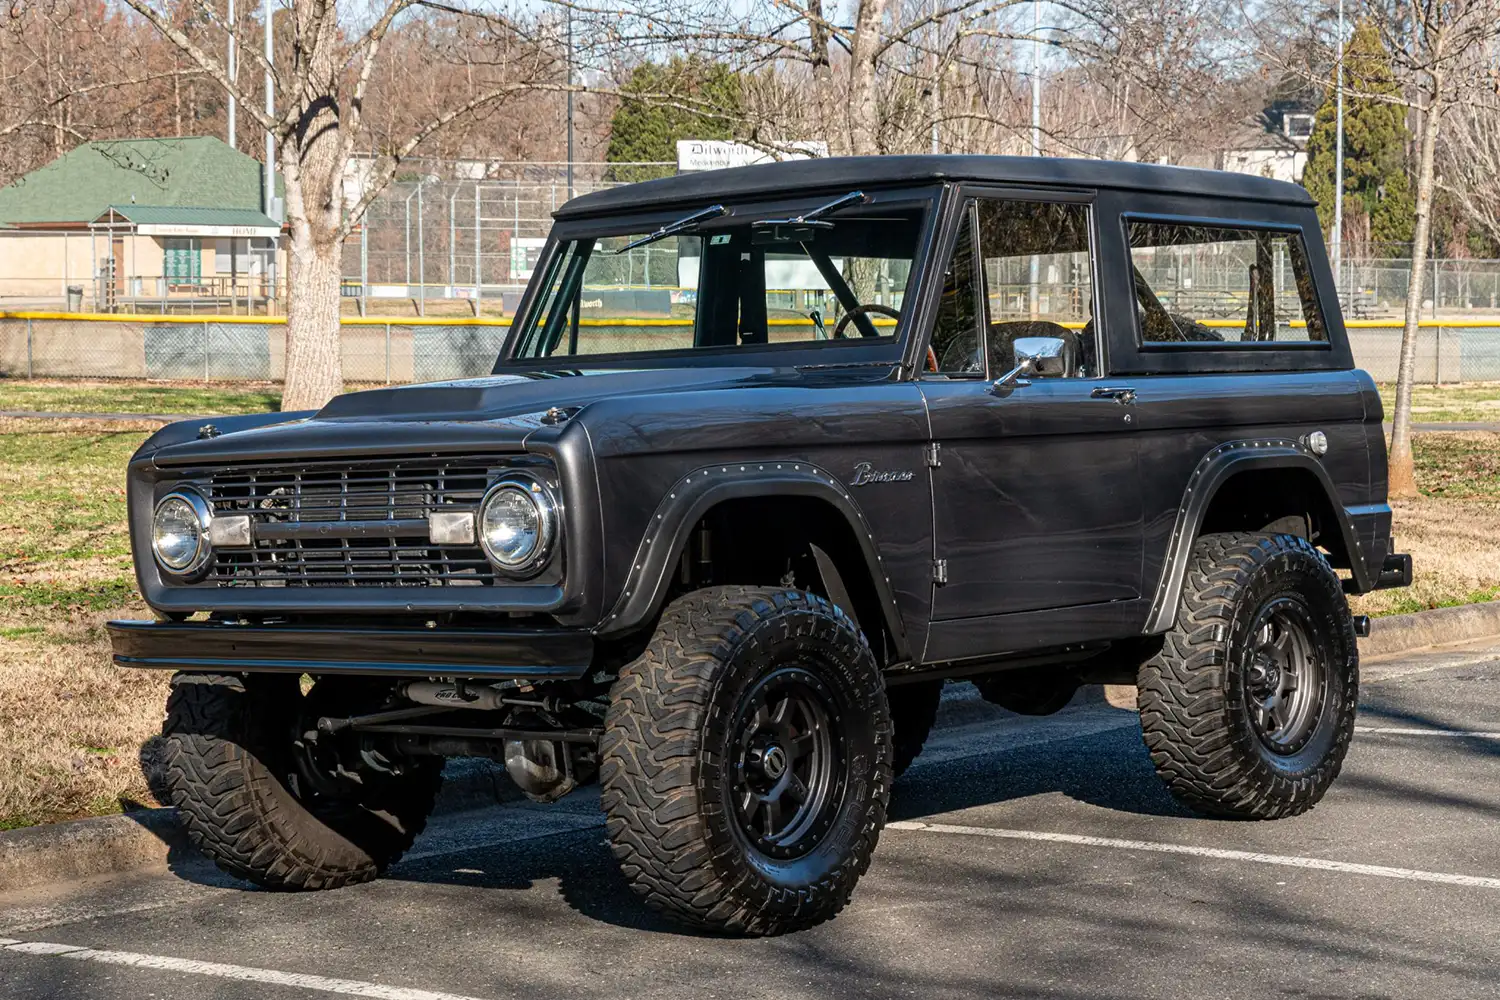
[
  {"x": 812, "y": 217},
  {"x": 673, "y": 228}
]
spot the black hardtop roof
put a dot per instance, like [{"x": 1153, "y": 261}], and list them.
[{"x": 848, "y": 172}]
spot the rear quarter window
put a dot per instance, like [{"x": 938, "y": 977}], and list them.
[{"x": 1211, "y": 286}]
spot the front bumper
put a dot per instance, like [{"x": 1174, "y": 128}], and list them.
[{"x": 540, "y": 654}]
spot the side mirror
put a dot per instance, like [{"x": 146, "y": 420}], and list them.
[
  {"x": 1049, "y": 356},
  {"x": 1045, "y": 357}
]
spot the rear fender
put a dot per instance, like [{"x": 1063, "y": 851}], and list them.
[{"x": 1213, "y": 470}]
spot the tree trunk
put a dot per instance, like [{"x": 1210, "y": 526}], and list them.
[
  {"x": 314, "y": 374},
  {"x": 822, "y": 74},
  {"x": 1403, "y": 479},
  {"x": 312, "y": 170},
  {"x": 864, "y": 108}
]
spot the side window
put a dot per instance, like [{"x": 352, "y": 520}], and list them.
[
  {"x": 955, "y": 346},
  {"x": 1209, "y": 284},
  {"x": 1038, "y": 280}
]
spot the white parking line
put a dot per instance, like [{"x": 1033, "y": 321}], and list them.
[
  {"x": 1288, "y": 861},
  {"x": 1452, "y": 734},
  {"x": 347, "y": 987}
]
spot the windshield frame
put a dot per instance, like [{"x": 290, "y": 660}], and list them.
[{"x": 926, "y": 198}]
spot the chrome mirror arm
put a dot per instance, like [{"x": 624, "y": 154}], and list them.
[{"x": 1013, "y": 378}]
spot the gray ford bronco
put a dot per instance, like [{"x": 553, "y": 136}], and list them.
[{"x": 767, "y": 455}]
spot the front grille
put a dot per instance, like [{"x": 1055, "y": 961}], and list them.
[{"x": 401, "y": 492}]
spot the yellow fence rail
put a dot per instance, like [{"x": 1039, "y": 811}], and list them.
[{"x": 47, "y": 344}]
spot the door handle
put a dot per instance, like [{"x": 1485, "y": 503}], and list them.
[{"x": 1121, "y": 394}]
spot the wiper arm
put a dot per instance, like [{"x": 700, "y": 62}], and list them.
[
  {"x": 817, "y": 318},
  {"x": 812, "y": 217},
  {"x": 673, "y": 228}
]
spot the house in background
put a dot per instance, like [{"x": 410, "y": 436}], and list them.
[
  {"x": 1273, "y": 144},
  {"x": 141, "y": 225}
]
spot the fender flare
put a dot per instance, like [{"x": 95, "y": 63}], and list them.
[
  {"x": 1203, "y": 485},
  {"x": 700, "y": 490}
]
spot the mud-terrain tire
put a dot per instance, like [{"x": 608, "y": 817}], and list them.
[
  {"x": 734, "y": 680},
  {"x": 1251, "y": 605},
  {"x": 914, "y": 709},
  {"x": 229, "y": 766}
]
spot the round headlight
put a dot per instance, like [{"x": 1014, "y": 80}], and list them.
[
  {"x": 517, "y": 523},
  {"x": 179, "y": 532}
]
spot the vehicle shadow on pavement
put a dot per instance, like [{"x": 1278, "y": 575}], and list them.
[{"x": 1107, "y": 769}]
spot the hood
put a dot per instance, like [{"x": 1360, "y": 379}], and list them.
[
  {"x": 489, "y": 413},
  {"x": 525, "y": 396}
]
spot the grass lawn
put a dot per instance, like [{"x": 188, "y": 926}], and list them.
[
  {"x": 107, "y": 396},
  {"x": 1472, "y": 402},
  {"x": 72, "y": 726}
]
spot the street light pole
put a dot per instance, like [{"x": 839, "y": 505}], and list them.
[
  {"x": 1337, "y": 236},
  {"x": 570, "y": 102},
  {"x": 937, "y": 103},
  {"x": 1036, "y": 78},
  {"x": 233, "y": 76}
]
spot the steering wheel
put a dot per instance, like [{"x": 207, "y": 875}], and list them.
[{"x": 865, "y": 307}]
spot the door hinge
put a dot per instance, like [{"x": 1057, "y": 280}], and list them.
[
  {"x": 940, "y": 571},
  {"x": 934, "y": 455}
]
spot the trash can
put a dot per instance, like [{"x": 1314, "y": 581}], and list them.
[{"x": 75, "y": 298}]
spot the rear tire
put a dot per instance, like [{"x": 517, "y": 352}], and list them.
[
  {"x": 232, "y": 769},
  {"x": 1249, "y": 707},
  {"x": 746, "y": 761}
]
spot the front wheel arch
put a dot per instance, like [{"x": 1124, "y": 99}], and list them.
[{"x": 648, "y": 585}]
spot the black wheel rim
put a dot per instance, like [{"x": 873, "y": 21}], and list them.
[
  {"x": 788, "y": 757},
  {"x": 1285, "y": 677}
]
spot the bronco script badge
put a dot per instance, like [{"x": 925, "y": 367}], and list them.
[{"x": 864, "y": 475}]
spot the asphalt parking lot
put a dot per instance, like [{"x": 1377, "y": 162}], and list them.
[{"x": 1027, "y": 857}]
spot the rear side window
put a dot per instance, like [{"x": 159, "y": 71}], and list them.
[{"x": 1205, "y": 286}]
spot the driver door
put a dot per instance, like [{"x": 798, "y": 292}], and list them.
[{"x": 1036, "y": 495}]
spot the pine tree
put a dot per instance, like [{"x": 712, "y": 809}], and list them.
[
  {"x": 647, "y": 129},
  {"x": 1377, "y": 190}
]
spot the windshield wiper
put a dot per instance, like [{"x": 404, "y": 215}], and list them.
[
  {"x": 673, "y": 228},
  {"x": 811, "y": 218}
]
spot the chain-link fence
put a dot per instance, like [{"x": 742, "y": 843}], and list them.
[
  {"x": 449, "y": 238},
  {"x": 395, "y": 351}
]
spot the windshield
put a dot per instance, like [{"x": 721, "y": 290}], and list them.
[{"x": 736, "y": 281}]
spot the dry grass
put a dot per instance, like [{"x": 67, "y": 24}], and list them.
[
  {"x": 72, "y": 725},
  {"x": 1472, "y": 402}
]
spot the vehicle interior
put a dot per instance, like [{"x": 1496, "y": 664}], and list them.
[
  {"x": 1019, "y": 269},
  {"x": 730, "y": 283}
]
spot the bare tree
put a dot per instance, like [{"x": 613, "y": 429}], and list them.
[
  {"x": 1439, "y": 51},
  {"x": 70, "y": 71},
  {"x": 1470, "y": 159},
  {"x": 1436, "y": 46},
  {"x": 323, "y": 85}
]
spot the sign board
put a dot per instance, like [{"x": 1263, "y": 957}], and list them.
[
  {"x": 176, "y": 229},
  {"x": 524, "y": 253},
  {"x": 713, "y": 154}
]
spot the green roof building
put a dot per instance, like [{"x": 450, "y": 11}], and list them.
[{"x": 141, "y": 223}]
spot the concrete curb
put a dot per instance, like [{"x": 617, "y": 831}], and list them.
[
  {"x": 1440, "y": 626},
  {"x": 148, "y": 838},
  {"x": 63, "y": 852}
]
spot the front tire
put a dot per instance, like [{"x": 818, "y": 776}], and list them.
[
  {"x": 260, "y": 808},
  {"x": 746, "y": 761},
  {"x": 1248, "y": 709}
]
